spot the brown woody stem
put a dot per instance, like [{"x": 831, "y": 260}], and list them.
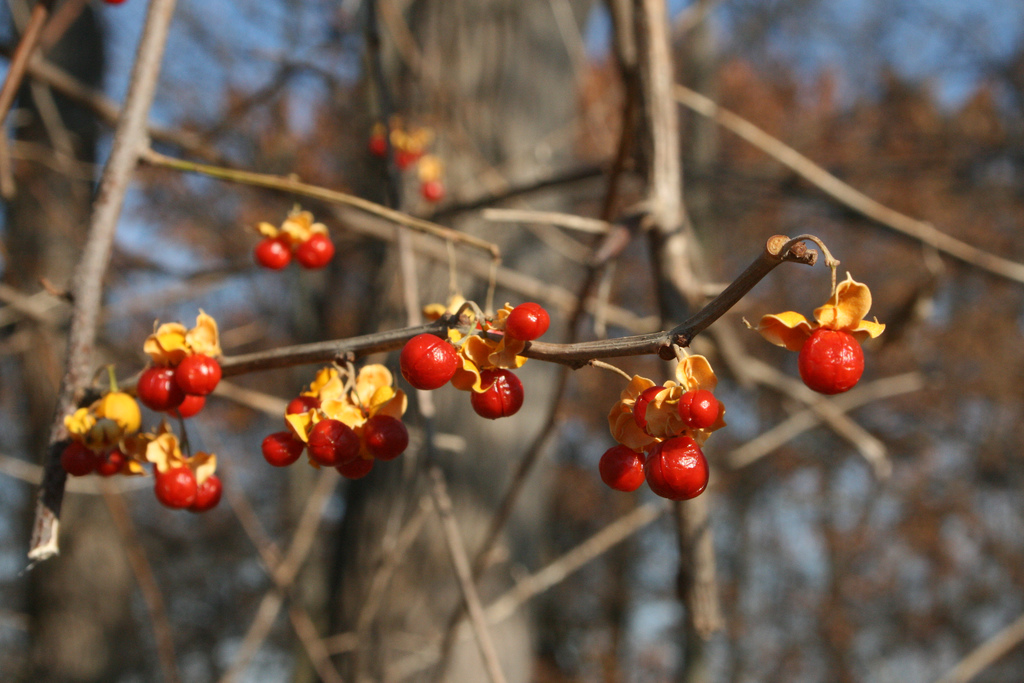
[{"x": 779, "y": 249}]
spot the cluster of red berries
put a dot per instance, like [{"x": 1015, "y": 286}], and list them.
[
  {"x": 104, "y": 441},
  {"x": 181, "y": 389},
  {"x": 333, "y": 443},
  {"x": 79, "y": 460},
  {"x": 409, "y": 149},
  {"x": 276, "y": 253},
  {"x": 177, "y": 488},
  {"x": 674, "y": 468},
  {"x": 428, "y": 362},
  {"x": 99, "y": 434}
]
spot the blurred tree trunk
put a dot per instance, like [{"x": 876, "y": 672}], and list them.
[
  {"x": 483, "y": 78},
  {"x": 80, "y": 600}
]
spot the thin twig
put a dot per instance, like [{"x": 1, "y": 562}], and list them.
[
  {"x": 129, "y": 141},
  {"x": 283, "y": 573},
  {"x": 533, "y": 452},
  {"x": 986, "y": 654},
  {"x": 806, "y": 419},
  {"x": 531, "y": 288},
  {"x": 26, "y": 46},
  {"x": 560, "y": 568},
  {"x": 296, "y": 187},
  {"x": 569, "y": 221},
  {"x": 550, "y": 575},
  {"x": 464, "y": 573},
  {"x": 109, "y": 111},
  {"x": 315, "y": 647},
  {"x": 676, "y": 260},
  {"x": 62, "y": 20},
  {"x": 266, "y": 614},
  {"x": 148, "y": 586},
  {"x": 846, "y": 194},
  {"x": 574, "y": 355},
  {"x": 390, "y": 562},
  {"x": 873, "y": 450},
  {"x": 611, "y": 368}
]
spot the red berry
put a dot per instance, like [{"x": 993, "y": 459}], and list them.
[
  {"x": 622, "y": 468},
  {"x": 77, "y": 460},
  {"x": 503, "y": 397},
  {"x": 282, "y": 448},
  {"x": 332, "y": 442},
  {"x": 677, "y": 469},
  {"x": 640, "y": 406},
  {"x": 207, "y": 494},
  {"x": 378, "y": 145},
  {"x": 385, "y": 437},
  {"x": 113, "y": 2},
  {"x": 302, "y": 404},
  {"x": 112, "y": 464},
  {"x": 699, "y": 409},
  {"x": 176, "y": 488},
  {"x": 316, "y": 252},
  {"x": 197, "y": 374},
  {"x": 527, "y": 321},
  {"x": 158, "y": 390},
  {"x": 190, "y": 407},
  {"x": 273, "y": 252},
  {"x": 428, "y": 362},
  {"x": 831, "y": 361},
  {"x": 432, "y": 190},
  {"x": 356, "y": 469}
]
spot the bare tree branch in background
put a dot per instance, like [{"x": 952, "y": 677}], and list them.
[{"x": 129, "y": 143}]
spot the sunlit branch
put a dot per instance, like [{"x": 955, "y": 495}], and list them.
[{"x": 573, "y": 355}]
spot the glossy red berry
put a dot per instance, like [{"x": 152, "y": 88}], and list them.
[
  {"x": 622, "y": 468},
  {"x": 527, "y": 321},
  {"x": 831, "y": 361},
  {"x": 302, "y": 404},
  {"x": 677, "y": 469},
  {"x": 282, "y": 448},
  {"x": 176, "y": 488},
  {"x": 111, "y": 464},
  {"x": 77, "y": 460},
  {"x": 197, "y": 374},
  {"x": 432, "y": 190},
  {"x": 207, "y": 494},
  {"x": 190, "y": 407},
  {"x": 356, "y": 469},
  {"x": 640, "y": 406},
  {"x": 385, "y": 437},
  {"x": 316, "y": 252},
  {"x": 698, "y": 409},
  {"x": 273, "y": 252},
  {"x": 428, "y": 362},
  {"x": 503, "y": 396},
  {"x": 332, "y": 442},
  {"x": 158, "y": 390},
  {"x": 113, "y": 2}
]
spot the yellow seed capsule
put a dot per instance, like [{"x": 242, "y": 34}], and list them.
[{"x": 122, "y": 409}]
